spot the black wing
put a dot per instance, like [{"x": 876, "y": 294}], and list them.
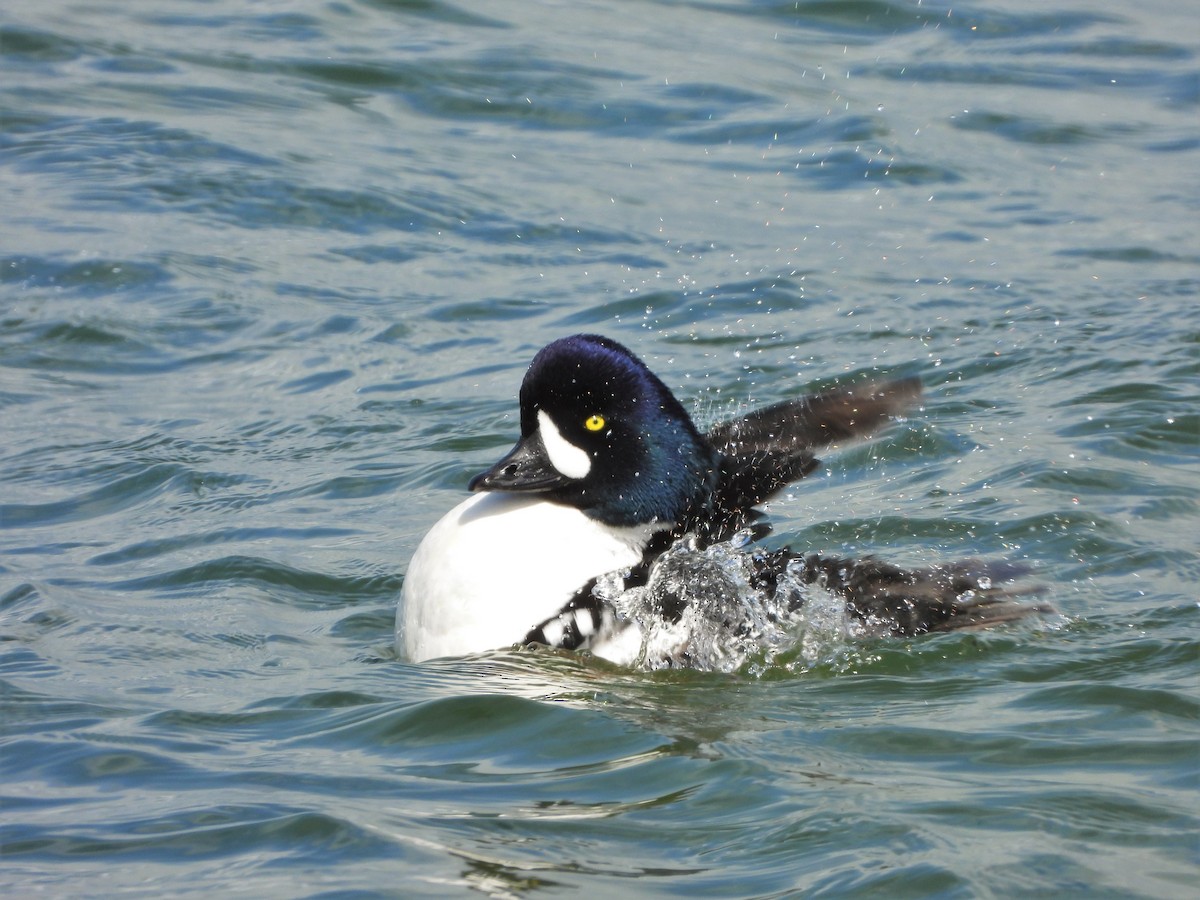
[
  {"x": 892, "y": 600},
  {"x": 769, "y": 448}
]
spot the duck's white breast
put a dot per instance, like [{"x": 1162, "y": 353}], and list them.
[{"x": 498, "y": 565}]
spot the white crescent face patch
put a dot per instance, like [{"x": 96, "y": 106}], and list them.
[{"x": 570, "y": 460}]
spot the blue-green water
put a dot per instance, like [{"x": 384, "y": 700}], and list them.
[{"x": 271, "y": 274}]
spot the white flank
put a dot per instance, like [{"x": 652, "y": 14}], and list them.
[
  {"x": 498, "y": 565},
  {"x": 570, "y": 460}
]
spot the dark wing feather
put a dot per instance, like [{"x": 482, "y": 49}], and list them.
[
  {"x": 769, "y": 448},
  {"x": 891, "y": 600},
  {"x": 817, "y": 420},
  {"x": 581, "y": 620}
]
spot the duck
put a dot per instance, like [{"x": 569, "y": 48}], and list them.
[{"x": 611, "y": 485}]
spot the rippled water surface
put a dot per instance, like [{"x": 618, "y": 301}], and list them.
[{"x": 269, "y": 277}]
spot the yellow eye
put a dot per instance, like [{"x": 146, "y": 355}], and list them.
[{"x": 594, "y": 423}]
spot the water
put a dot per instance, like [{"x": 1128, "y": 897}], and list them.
[{"x": 271, "y": 274}]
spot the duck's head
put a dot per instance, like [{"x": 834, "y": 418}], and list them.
[{"x": 600, "y": 432}]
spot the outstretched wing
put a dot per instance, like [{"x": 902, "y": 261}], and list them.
[
  {"x": 769, "y": 448},
  {"x": 816, "y": 420}
]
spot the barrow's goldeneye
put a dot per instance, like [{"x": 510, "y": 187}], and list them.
[{"x": 610, "y": 473}]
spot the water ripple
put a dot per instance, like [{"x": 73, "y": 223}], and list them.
[{"x": 271, "y": 279}]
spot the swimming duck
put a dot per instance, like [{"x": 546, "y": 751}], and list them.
[{"x": 611, "y": 475}]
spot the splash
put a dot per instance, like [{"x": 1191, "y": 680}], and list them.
[{"x": 710, "y": 609}]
